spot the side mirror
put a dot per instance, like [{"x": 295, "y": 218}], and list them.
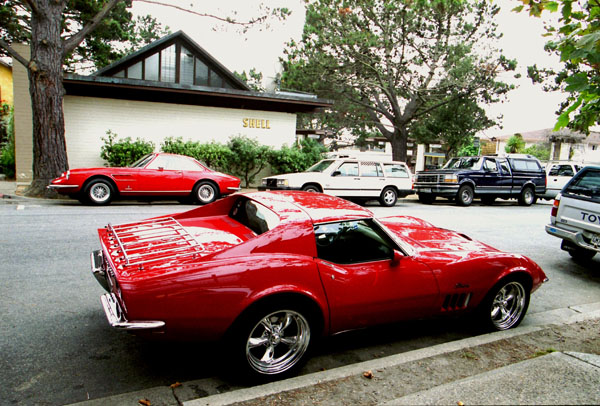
[
  {"x": 160, "y": 168},
  {"x": 397, "y": 258},
  {"x": 336, "y": 173}
]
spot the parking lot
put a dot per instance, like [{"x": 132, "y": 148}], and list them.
[{"x": 58, "y": 348}]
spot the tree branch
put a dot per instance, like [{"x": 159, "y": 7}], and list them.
[
  {"x": 14, "y": 53},
  {"x": 33, "y": 6},
  {"x": 72, "y": 42}
]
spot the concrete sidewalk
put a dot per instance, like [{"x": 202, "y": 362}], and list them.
[{"x": 7, "y": 189}]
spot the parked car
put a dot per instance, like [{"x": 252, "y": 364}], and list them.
[
  {"x": 158, "y": 175},
  {"x": 349, "y": 178},
  {"x": 557, "y": 176},
  {"x": 268, "y": 273},
  {"x": 575, "y": 215},
  {"x": 515, "y": 176}
]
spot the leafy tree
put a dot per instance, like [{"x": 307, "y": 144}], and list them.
[
  {"x": 388, "y": 63},
  {"x": 214, "y": 155},
  {"x": 253, "y": 79},
  {"x": 125, "y": 151},
  {"x": 540, "y": 151},
  {"x": 454, "y": 124},
  {"x": 60, "y": 31},
  {"x": 297, "y": 158},
  {"x": 515, "y": 144},
  {"x": 576, "y": 40},
  {"x": 248, "y": 158},
  {"x": 7, "y": 141}
]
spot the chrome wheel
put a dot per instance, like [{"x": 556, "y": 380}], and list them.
[
  {"x": 311, "y": 188},
  {"x": 465, "y": 195},
  {"x": 205, "y": 193},
  {"x": 508, "y": 306},
  {"x": 277, "y": 342},
  {"x": 527, "y": 197},
  {"x": 99, "y": 192}
]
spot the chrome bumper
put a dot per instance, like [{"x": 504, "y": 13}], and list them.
[
  {"x": 574, "y": 237},
  {"x": 114, "y": 314},
  {"x": 117, "y": 319}
]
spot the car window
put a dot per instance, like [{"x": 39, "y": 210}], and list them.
[
  {"x": 561, "y": 170},
  {"x": 183, "y": 163},
  {"x": 371, "y": 169},
  {"x": 395, "y": 171},
  {"x": 320, "y": 166},
  {"x": 525, "y": 165},
  {"x": 464, "y": 163},
  {"x": 143, "y": 161},
  {"x": 586, "y": 184},
  {"x": 489, "y": 165},
  {"x": 504, "y": 166},
  {"x": 348, "y": 169},
  {"x": 254, "y": 215},
  {"x": 350, "y": 242}
]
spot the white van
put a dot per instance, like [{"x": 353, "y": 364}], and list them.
[{"x": 349, "y": 178}]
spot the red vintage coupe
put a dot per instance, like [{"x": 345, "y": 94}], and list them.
[
  {"x": 156, "y": 175},
  {"x": 267, "y": 273}
]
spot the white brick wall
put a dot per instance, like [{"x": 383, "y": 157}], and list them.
[{"x": 87, "y": 119}]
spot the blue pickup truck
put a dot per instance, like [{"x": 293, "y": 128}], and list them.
[{"x": 519, "y": 176}]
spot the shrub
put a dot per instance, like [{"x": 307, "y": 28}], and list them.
[
  {"x": 212, "y": 154},
  {"x": 125, "y": 151},
  {"x": 248, "y": 157},
  {"x": 7, "y": 149},
  {"x": 297, "y": 158}
]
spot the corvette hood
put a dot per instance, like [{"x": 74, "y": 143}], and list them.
[{"x": 424, "y": 236}]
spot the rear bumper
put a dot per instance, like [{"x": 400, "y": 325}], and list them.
[
  {"x": 117, "y": 319},
  {"x": 576, "y": 237}
]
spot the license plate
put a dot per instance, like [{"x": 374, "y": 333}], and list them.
[{"x": 426, "y": 190}]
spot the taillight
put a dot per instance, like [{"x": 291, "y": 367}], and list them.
[{"x": 555, "y": 205}]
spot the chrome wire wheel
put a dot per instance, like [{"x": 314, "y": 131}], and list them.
[
  {"x": 205, "y": 193},
  {"x": 99, "y": 192},
  {"x": 508, "y": 306},
  {"x": 277, "y": 342}
]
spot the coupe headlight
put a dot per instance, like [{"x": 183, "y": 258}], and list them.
[
  {"x": 450, "y": 178},
  {"x": 283, "y": 182}
]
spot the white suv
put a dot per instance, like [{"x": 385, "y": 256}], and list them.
[
  {"x": 557, "y": 176},
  {"x": 575, "y": 216},
  {"x": 349, "y": 178}
]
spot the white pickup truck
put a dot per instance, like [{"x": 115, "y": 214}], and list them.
[{"x": 575, "y": 216}]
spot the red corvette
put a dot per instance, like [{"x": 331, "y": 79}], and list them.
[
  {"x": 269, "y": 272},
  {"x": 157, "y": 175}
]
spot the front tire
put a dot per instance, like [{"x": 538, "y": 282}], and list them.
[
  {"x": 99, "y": 192},
  {"x": 311, "y": 188},
  {"x": 205, "y": 192},
  {"x": 505, "y": 305},
  {"x": 388, "y": 197},
  {"x": 465, "y": 195},
  {"x": 272, "y": 342}
]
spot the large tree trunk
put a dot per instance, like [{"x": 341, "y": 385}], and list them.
[
  {"x": 399, "y": 143},
  {"x": 46, "y": 90}
]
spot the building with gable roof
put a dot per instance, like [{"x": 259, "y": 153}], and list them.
[{"x": 170, "y": 88}]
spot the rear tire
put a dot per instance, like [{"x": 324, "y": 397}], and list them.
[
  {"x": 205, "y": 192},
  {"x": 527, "y": 197},
  {"x": 311, "y": 188},
  {"x": 581, "y": 254},
  {"x": 388, "y": 197}
]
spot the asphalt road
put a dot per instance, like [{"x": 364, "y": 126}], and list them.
[{"x": 56, "y": 347}]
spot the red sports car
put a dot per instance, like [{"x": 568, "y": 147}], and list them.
[
  {"x": 157, "y": 175},
  {"x": 267, "y": 273}
]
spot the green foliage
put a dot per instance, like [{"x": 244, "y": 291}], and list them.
[
  {"x": 7, "y": 147},
  {"x": 214, "y": 155},
  {"x": 253, "y": 79},
  {"x": 297, "y": 158},
  {"x": 540, "y": 151},
  {"x": 388, "y": 64},
  {"x": 468, "y": 150},
  {"x": 249, "y": 158},
  {"x": 576, "y": 40},
  {"x": 124, "y": 152},
  {"x": 515, "y": 144}
]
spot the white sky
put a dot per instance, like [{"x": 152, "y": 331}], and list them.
[{"x": 527, "y": 108}]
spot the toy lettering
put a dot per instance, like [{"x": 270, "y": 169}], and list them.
[{"x": 592, "y": 218}]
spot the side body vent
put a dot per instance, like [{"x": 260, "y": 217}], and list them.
[{"x": 456, "y": 301}]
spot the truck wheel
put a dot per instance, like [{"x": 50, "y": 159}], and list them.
[
  {"x": 388, "y": 197},
  {"x": 465, "y": 195},
  {"x": 581, "y": 254},
  {"x": 527, "y": 197},
  {"x": 426, "y": 198}
]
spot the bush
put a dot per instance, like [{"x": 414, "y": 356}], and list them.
[
  {"x": 7, "y": 148},
  {"x": 297, "y": 158},
  {"x": 214, "y": 155},
  {"x": 124, "y": 152},
  {"x": 249, "y": 158}
]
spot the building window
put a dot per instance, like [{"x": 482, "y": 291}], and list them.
[
  {"x": 187, "y": 67},
  {"x": 135, "y": 71},
  {"x": 168, "y": 64},
  {"x": 151, "y": 67},
  {"x": 201, "y": 73}
]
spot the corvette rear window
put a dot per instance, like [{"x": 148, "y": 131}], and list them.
[{"x": 254, "y": 215}]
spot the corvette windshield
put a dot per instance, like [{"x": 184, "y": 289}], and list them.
[
  {"x": 320, "y": 166},
  {"x": 471, "y": 162}
]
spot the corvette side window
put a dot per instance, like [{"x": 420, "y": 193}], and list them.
[{"x": 351, "y": 242}]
